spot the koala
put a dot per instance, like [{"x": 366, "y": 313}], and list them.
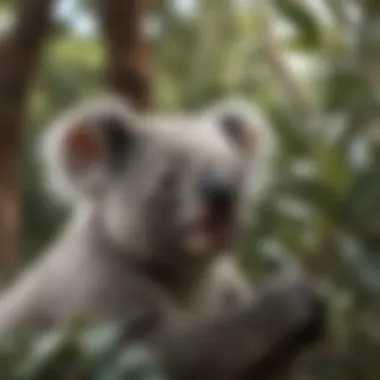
[{"x": 157, "y": 205}]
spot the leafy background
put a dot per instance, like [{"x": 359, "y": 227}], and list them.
[{"x": 314, "y": 67}]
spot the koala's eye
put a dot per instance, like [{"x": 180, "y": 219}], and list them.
[
  {"x": 171, "y": 174},
  {"x": 234, "y": 127}
]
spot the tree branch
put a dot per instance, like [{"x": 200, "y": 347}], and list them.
[
  {"x": 128, "y": 66},
  {"x": 20, "y": 50}
]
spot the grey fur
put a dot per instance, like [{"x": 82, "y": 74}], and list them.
[{"x": 127, "y": 253}]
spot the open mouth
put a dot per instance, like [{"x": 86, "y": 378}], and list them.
[{"x": 210, "y": 232}]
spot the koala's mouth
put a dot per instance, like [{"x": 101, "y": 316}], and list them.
[{"x": 210, "y": 232}]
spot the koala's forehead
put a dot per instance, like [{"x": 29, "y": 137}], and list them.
[{"x": 192, "y": 136}]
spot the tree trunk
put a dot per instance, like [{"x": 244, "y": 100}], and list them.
[
  {"x": 20, "y": 49},
  {"x": 128, "y": 65}
]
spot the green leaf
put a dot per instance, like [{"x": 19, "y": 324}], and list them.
[
  {"x": 137, "y": 363},
  {"x": 307, "y": 26}
]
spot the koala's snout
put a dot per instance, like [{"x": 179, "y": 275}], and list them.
[{"x": 219, "y": 192}]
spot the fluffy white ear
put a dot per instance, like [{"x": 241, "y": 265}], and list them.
[
  {"x": 83, "y": 147},
  {"x": 247, "y": 126}
]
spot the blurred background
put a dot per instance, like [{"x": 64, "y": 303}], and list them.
[{"x": 314, "y": 67}]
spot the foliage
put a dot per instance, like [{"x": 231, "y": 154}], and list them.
[
  {"x": 322, "y": 213},
  {"x": 77, "y": 353}
]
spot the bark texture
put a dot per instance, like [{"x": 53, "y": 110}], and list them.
[
  {"x": 128, "y": 65},
  {"x": 20, "y": 50}
]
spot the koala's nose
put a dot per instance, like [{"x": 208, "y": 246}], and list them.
[{"x": 219, "y": 192}]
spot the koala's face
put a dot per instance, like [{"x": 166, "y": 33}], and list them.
[{"x": 172, "y": 186}]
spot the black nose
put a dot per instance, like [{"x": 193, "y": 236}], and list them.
[{"x": 219, "y": 192}]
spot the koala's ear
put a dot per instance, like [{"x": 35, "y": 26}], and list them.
[
  {"x": 244, "y": 124},
  {"x": 247, "y": 127},
  {"x": 84, "y": 148}
]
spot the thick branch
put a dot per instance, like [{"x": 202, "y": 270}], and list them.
[
  {"x": 128, "y": 66},
  {"x": 20, "y": 50}
]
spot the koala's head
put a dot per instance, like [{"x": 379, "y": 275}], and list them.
[{"x": 169, "y": 186}]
